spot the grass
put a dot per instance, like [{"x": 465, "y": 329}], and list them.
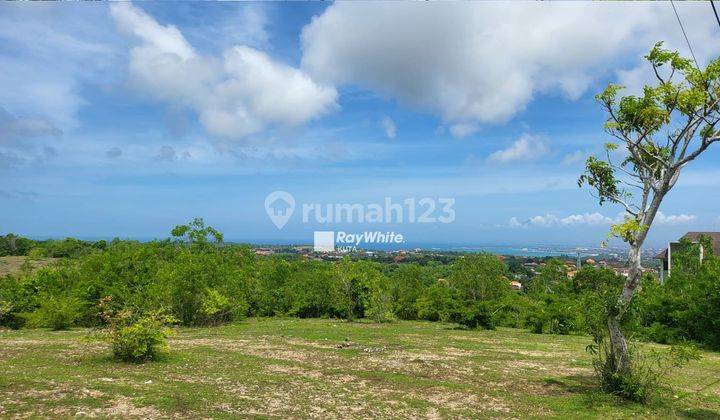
[{"x": 328, "y": 368}]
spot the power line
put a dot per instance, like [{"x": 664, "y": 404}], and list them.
[
  {"x": 684, "y": 34},
  {"x": 715, "y": 11}
]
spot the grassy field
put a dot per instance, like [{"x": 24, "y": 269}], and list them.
[{"x": 329, "y": 368}]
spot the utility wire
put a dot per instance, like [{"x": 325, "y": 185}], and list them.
[
  {"x": 715, "y": 11},
  {"x": 684, "y": 34}
]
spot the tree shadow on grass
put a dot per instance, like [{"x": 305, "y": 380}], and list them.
[
  {"x": 699, "y": 413},
  {"x": 586, "y": 387},
  {"x": 574, "y": 384}
]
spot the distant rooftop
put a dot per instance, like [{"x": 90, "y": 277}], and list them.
[{"x": 695, "y": 237}]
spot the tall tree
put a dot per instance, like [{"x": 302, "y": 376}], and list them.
[{"x": 672, "y": 123}]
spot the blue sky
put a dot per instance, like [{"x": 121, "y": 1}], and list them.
[{"x": 126, "y": 119}]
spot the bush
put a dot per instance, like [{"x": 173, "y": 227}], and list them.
[
  {"x": 379, "y": 306},
  {"x": 436, "y": 303},
  {"x": 536, "y": 320},
  {"x": 142, "y": 340},
  {"x": 563, "y": 317},
  {"x": 477, "y": 314},
  {"x": 8, "y": 317},
  {"x": 513, "y": 310},
  {"x": 218, "y": 309},
  {"x": 646, "y": 374},
  {"x": 56, "y": 312}
]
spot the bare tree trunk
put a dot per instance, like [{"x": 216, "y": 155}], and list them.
[{"x": 618, "y": 343}]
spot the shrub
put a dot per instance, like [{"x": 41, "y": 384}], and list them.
[
  {"x": 56, "y": 312},
  {"x": 563, "y": 317},
  {"x": 379, "y": 306},
  {"x": 218, "y": 309},
  {"x": 513, "y": 310},
  {"x": 8, "y": 317},
  {"x": 37, "y": 253},
  {"x": 477, "y": 314},
  {"x": 407, "y": 284},
  {"x": 536, "y": 320},
  {"x": 436, "y": 303},
  {"x": 142, "y": 340},
  {"x": 378, "y": 302},
  {"x": 646, "y": 373}
]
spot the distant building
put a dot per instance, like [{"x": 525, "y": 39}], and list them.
[
  {"x": 516, "y": 285},
  {"x": 264, "y": 252},
  {"x": 694, "y": 237}
]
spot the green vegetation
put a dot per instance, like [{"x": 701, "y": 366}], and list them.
[
  {"x": 290, "y": 367},
  {"x": 141, "y": 340},
  {"x": 129, "y": 292},
  {"x": 204, "y": 283}
]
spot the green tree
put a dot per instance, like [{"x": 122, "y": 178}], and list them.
[
  {"x": 663, "y": 130},
  {"x": 408, "y": 283},
  {"x": 552, "y": 278},
  {"x": 195, "y": 232},
  {"x": 479, "y": 277}
]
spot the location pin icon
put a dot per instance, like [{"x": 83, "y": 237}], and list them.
[{"x": 279, "y": 206}]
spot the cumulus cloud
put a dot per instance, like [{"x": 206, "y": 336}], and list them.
[
  {"x": 551, "y": 220},
  {"x": 463, "y": 130},
  {"x": 239, "y": 93},
  {"x": 674, "y": 219},
  {"x": 527, "y": 147},
  {"x": 483, "y": 61},
  {"x": 593, "y": 219},
  {"x": 389, "y": 126}
]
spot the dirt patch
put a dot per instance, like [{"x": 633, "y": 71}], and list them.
[
  {"x": 294, "y": 370},
  {"x": 12, "y": 265}
]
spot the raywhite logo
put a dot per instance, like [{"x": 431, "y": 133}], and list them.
[
  {"x": 324, "y": 241},
  {"x": 329, "y": 241},
  {"x": 279, "y": 206}
]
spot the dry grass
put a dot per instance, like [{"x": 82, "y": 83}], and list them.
[
  {"x": 11, "y": 265},
  {"x": 329, "y": 369}
]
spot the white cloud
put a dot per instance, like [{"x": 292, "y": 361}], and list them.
[
  {"x": 389, "y": 126},
  {"x": 240, "y": 93},
  {"x": 574, "y": 157},
  {"x": 551, "y": 220},
  {"x": 484, "y": 61},
  {"x": 674, "y": 219},
  {"x": 593, "y": 219},
  {"x": 41, "y": 76},
  {"x": 463, "y": 129},
  {"x": 527, "y": 147}
]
